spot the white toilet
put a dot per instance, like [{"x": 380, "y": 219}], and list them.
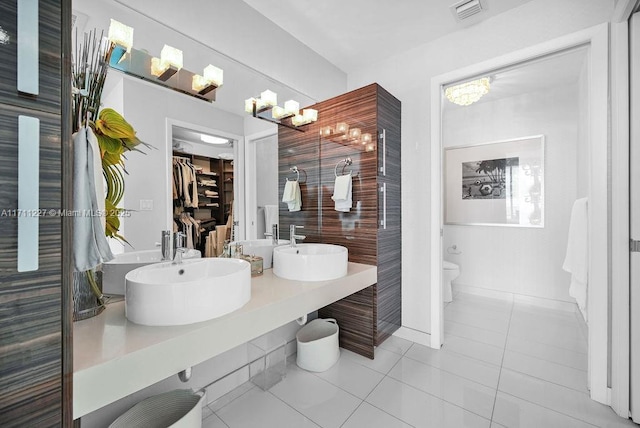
[{"x": 450, "y": 271}]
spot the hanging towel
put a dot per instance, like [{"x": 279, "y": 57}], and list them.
[
  {"x": 576, "y": 260},
  {"x": 291, "y": 195},
  {"x": 270, "y": 216},
  {"x": 90, "y": 246},
  {"x": 342, "y": 193}
]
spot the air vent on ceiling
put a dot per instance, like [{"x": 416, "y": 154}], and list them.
[{"x": 466, "y": 8}]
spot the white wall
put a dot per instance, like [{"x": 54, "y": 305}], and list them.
[
  {"x": 407, "y": 76},
  {"x": 238, "y": 31},
  {"x": 526, "y": 261}
]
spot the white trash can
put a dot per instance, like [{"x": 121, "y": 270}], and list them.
[
  {"x": 180, "y": 408},
  {"x": 318, "y": 345}
]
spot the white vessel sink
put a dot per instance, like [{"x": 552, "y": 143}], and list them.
[
  {"x": 167, "y": 294},
  {"x": 113, "y": 272},
  {"x": 310, "y": 262},
  {"x": 260, "y": 247}
]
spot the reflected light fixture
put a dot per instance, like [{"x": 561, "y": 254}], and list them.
[
  {"x": 169, "y": 63},
  {"x": 121, "y": 56},
  {"x": 210, "y": 139},
  {"x": 120, "y": 35},
  {"x": 211, "y": 79},
  {"x": 268, "y": 100},
  {"x": 468, "y": 93}
]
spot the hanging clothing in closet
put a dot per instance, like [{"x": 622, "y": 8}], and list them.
[{"x": 185, "y": 189}]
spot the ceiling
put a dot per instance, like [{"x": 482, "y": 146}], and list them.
[
  {"x": 551, "y": 72},
  {"x": 351, "y": 34}
]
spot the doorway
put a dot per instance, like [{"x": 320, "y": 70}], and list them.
[{"x": 595, "y": 40}]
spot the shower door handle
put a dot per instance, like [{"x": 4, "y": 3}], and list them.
[
  {"x": 28, "y": 47},
  {"x": 383, "y": 190},
  {"x": 383, "y": 138},
  {"x": 28, "y": 192}
]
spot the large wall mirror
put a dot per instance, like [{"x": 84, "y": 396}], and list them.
[{"x": 171, "y": 121}]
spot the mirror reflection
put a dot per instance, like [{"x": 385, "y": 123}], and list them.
[{"x": 171, "y": 121}]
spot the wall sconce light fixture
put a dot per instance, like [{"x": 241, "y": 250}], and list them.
[
  {"x": 268, "y": 101},
  {"x": 167, "y": 70},
  {"x": 343, "y": 133},
  {"x": 468, "y": 93}
]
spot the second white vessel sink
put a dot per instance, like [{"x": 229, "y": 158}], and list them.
[
  {"x": 193, "y": 291},
  {"x": 310, "y": 262}
]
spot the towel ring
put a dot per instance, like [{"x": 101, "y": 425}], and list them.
[
  {"x": 347, "y": 162},
  {"x": 297, "y": 170}
]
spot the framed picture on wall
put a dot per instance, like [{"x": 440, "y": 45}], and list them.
[{"x": 495, "y": 184}]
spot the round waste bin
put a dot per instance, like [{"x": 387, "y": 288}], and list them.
[
  {"x": 318, "y": 345},
  {"x": 180, "y": 408}
]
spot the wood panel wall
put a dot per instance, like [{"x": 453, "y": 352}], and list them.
[
  {"x": 371, "y": 315},
  {"x": 35, "y": 310}
]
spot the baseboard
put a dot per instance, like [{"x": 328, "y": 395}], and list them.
[
  {"x": 416, "y": 336},
  {"x": 517, "y": 298}
]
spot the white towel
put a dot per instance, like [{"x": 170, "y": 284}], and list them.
[
  {"x": 576, "y": 260},
  {"x": 90, "y": 246},
  {"x": 342, "y": 193},
  {"x": 291, "y": 195},
  {"x": 270, "y": 216}
]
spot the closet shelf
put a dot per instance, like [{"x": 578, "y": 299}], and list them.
[{"x": 214, "y": 174}]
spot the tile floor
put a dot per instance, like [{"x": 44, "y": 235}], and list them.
[{"x": 504, "y": 364}]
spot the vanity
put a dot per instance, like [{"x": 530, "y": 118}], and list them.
[{"x": 122, "y": 357}]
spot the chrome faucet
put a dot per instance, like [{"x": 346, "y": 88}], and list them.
[
  {"x": 274, "y": 234},
  {"x": 166, "y": 248},
  {"x": 179, "y": 244},
  {"x": 293, "y": 236}
]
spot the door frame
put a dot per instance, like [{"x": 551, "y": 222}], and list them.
[
  {"x": 251, "y": 181},
  {"x": 238, "y": 171},
  {"x": 597, "y": 38}
]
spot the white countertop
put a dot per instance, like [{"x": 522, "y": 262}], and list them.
[{"x": 113, "y": 357}]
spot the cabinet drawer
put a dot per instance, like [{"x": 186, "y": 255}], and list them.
[{"x": 49, "y": 60}]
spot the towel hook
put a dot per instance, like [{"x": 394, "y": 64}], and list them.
[{"x": 347, "y": 162}]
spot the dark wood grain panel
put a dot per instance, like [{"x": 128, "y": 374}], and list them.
[
  {"x": 368, "y": 317},
  {"x": 50, "y": 24},
  {"x": 389, "y": 251},
  {"x": 34, "y": 306},
  {"x": 356, "y": 317}
]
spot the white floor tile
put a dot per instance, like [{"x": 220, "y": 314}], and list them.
[
  {"x": 495, "y": 425},
  {"x": 324, "y": 403},
  {"x": 565, "y": 357},
  {"x": 471, "y": 348},
  {"x": 489, "y": 337},
  {"x": 548, "y": 336},
  {"x": 229, "y": 397},
  {"x": 396, "y": 344},
  {"x": 469, "y": 368},
  {"x": 462, "y": 392},
  {"x": 477, "y": 318},
  {"x": 212, "y": 421},
  {"x": 559, "y": 398},
  {"x": 352, "y": 377},
  {"x": 383, "y": 362},
  {"x": 546, "y": 370},
  {"x": 420, "y": 409},
  {"x": 513, "y": 412},
  {"x": 367, "y": 416},
  {"x": 262, "y": 409}
]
